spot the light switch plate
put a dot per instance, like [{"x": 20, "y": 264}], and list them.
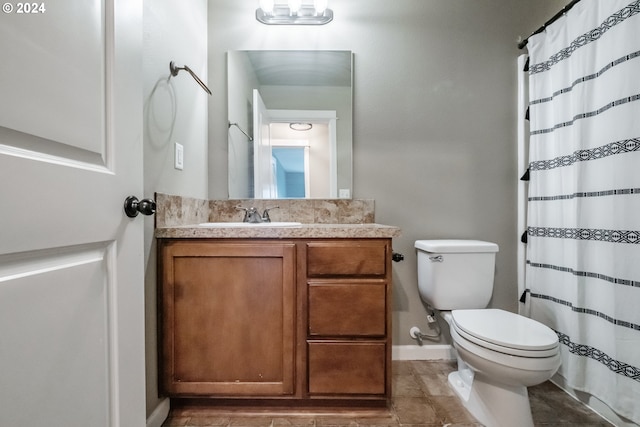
[{"x": 179, "y": 157}]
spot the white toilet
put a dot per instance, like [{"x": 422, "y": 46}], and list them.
[{"x": 499, "y": 353}]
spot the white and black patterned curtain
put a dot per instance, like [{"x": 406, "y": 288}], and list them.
[{"x": 583, "y": 251}]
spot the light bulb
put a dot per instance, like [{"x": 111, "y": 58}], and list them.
[
  {"x": 320, "y": 6},
  {"x": 294, "y": 6},
  {"x": 266, "y": 6}
]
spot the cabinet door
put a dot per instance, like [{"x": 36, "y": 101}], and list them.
[{"x": 229, "y": 318}]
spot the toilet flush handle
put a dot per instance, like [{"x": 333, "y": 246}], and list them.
[{"x": 436, "y": 258}]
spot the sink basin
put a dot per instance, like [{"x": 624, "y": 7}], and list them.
[{"x": 250, "y": 224}]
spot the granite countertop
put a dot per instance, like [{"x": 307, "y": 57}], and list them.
[{"x": 308, "y": 231}]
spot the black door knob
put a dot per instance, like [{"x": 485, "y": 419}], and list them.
[{"x": 133, "y": 206}]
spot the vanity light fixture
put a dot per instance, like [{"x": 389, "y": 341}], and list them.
[
  {"x": 294, "y": 12},
  {"x": 300, "y": 126},
  {"x": 294, "y": 6}
]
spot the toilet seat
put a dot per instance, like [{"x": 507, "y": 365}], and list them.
[
  {"x": 508, "y": 361},
  {"x": 505, "y": 332}
]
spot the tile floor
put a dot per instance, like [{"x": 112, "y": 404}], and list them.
[{"x": 421, "y": 398}]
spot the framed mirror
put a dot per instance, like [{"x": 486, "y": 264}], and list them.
[{"x": 290, "y": 124}]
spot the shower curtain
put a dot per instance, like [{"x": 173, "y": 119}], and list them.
[{"x": 583, "y": 220}]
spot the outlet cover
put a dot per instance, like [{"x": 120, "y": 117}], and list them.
[
  {"x": 179, "y": 157},
  {"x": 344, "y": 193}
]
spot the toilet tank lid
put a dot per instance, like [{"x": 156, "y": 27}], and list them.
[{"x": 455, "y": 246}]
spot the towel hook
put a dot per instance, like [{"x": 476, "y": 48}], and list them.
[{"x": 174, "y": 72}]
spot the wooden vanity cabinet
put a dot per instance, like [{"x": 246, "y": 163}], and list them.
[
  {"x": 228, "y": 318},
  {"x": 305, "y": 320}
]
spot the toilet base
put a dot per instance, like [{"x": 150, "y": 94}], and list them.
[{"x": 492, "y": 405}]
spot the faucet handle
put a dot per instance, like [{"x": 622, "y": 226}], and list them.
[
  {"x": 247, "y": 212},
  {"x": 265, "y": 214}
]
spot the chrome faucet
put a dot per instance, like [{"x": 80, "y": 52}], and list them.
[{"x": 252, "y": 215}]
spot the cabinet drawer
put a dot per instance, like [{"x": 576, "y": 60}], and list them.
[
  {"x": 348, "y": 258},
  {"x": 347, "y": 368},
  {"x": 341, "y": 309}
]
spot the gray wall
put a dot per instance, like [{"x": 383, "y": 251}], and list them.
[
  {"x": 434, "y": 118},
  {"x": 175, "y": 110}
]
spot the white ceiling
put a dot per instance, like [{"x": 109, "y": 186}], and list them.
[{"x": 302, "y": 68}]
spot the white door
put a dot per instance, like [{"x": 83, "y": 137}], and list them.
[
  {"x": 71, "y": 276},
  {"x": 262, "y": 175},
  {"x": 323, "y": 146}
]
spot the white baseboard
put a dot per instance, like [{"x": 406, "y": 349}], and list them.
[
  {"x": 424, "y": 352},
  {"x": 160, "y": 414}
]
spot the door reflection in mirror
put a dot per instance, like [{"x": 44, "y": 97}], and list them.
[{"x": 303, "y": 161}]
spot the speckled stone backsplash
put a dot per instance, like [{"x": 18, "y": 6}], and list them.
[
  {"x": 315, "y": 211},
  {"x": 177, "y": 210}
]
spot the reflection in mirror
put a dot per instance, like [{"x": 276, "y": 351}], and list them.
[{"x": 297, "y": 108}]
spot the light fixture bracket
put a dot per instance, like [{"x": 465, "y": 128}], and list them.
[{"x": 307, "y": 15}]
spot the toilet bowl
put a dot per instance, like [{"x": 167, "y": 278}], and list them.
[{"x": 500, "y": 354}]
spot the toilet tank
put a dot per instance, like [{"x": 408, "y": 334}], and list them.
[{"x": 456, "y": 274}]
